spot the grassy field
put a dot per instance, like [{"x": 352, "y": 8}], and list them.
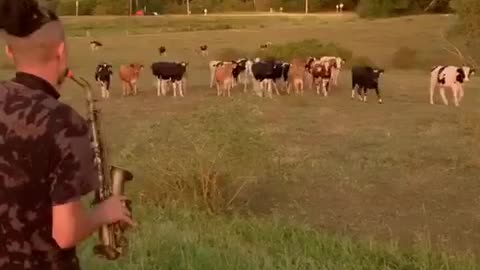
[{"x": 299, "y": 182}]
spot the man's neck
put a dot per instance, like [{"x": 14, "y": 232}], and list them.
[{"x": 43, "y": 73}]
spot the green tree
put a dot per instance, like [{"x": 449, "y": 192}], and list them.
[
  {"x": 50, "y": 4},
  {"x": 112, "y": 7}
]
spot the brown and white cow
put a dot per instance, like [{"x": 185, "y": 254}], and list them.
[
  {"x": 321, "y": 73},
  {"x": 336, "y": 64},
  {"x": 296, "y": 76},
  {"x": 129, "y": 75},
  {"x": 452, "y": 77},
  {"x": 224, "y": 77}
]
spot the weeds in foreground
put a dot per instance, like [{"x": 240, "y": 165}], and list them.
[{"x": 203, "y": 160}]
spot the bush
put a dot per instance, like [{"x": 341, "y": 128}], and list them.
[
  {"x": 68, "y": 7},
  {"x": 361, "y": 60},
  {"x": 303, "y": 49},
  {"x": 228, "y": 54},
  {"x": 204, "y": 160},
  {"x": 375, "y": 8},
  {"x": 404, "y": 58}
]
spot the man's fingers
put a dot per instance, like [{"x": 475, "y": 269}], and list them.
[
  {"x": 129, "y": 221},
  {"x": 126, "y": 212}
]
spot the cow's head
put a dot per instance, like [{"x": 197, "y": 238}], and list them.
[
  {"x": 339, "y": 62},
  {"x": 376, "y": 74},
  {"x": 308, "y": 65},
  {"x": 466, "y": 72},
  {"x": 286, "y": 68},
  {"x": 137, "y": 68},
  {"x": 105, "y": 68}
]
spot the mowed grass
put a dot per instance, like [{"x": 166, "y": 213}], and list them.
[{"x": 346, "y": 174}]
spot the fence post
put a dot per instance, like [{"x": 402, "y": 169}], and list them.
[{"x": 76, "y": 8}]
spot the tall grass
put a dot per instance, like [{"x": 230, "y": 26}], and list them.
[
  {"x": 205, "y": 159},
  {"x": 188, "y": 240}
]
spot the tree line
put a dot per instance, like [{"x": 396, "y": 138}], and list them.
[{"x": 367, "y": 8}]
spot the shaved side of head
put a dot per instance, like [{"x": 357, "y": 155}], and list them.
[{"x": 39, "y": 48}]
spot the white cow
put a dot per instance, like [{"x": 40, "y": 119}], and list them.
[{"x": 451, "y": 77}]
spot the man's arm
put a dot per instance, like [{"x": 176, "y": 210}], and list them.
[
  {"x": 72, "y": 223},
  {"x": 74, "y": 176}
]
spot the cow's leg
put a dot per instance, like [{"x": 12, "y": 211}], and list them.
[
  {"x": 455, "y": 90},
  {"x": 180, "y": 88},
  {"x": 364, "y": 94},
  {"x": 101, "y": 89},
  {"x": 174, "y": 87},
  {"x": 276, "y": 88},
  {"x": 183, "y": 84},
  {"x": 124, "y": 90},
  {"x": 335, "y": 77},
  {"x": 270, "y": 84},
  {"x": 218, "y": 89},
  {"x": 317, "y": 85},
  {"x": 228, "y": 90},
  {"x": 377, "y": 91},
  {"x": 159, "y": 86},
  {"x": 300, "y": 84},
  {"x": 360, "y": 92},
  {"x": 353, "y": 91},
  {"x": 245, "y": 82},
  {"x": 325, "y": 86},
  {"x": 212, "y": 76},
  {"x": 460, "y": 93},
  {"x": 442, "y": 94},
  {"x": 433, "y": 84}
]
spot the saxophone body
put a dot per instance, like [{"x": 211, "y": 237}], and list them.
[{"x": 112, "y": 240}]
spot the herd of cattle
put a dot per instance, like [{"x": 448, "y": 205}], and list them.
[{"x": 316, "y": 73}]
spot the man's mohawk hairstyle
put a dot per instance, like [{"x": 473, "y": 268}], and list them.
[{"x": 21, "y": 18}]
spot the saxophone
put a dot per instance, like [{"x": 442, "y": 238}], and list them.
[{"x": 112, "y": 240}]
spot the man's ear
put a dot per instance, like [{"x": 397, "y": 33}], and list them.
[
  {"x": 8, "y": 52},
  {"x": 61, "y": 50}
]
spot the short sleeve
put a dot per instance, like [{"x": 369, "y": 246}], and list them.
[{"x": 74, "y": 172}]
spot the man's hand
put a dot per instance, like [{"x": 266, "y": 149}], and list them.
[
  {"x": 114, "y": 210},
  {"x": 72, "y": 223}
]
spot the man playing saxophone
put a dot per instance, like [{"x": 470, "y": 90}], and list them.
[{"x": 46, "y": 159}]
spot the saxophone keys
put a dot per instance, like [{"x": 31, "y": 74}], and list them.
[{"x": 106, "y": 252}]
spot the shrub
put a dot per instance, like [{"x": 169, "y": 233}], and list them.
[
  {"x": 375, "y": 8},
  {"x": 361, "y": 60},
  {"x": 404, "y": 58},
  {"x": 227, "y": 54},
  {"x": 303, "y": 49},
  {"x": 203, "y": 160},
  {"x": 67, "y": 7}
]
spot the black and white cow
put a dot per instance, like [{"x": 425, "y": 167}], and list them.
[
  {"x": 95, "y": 45},
  {"x": 170, "y": 72},
  {"x": 103, "y": 75},
  {"x": 366, "y": 77},
  {"x": 267, "y": 72},
  {"x": 162, "y": 50},
  {"x": 241, "y": 73},
  {"x": 452, "y": 77}
]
